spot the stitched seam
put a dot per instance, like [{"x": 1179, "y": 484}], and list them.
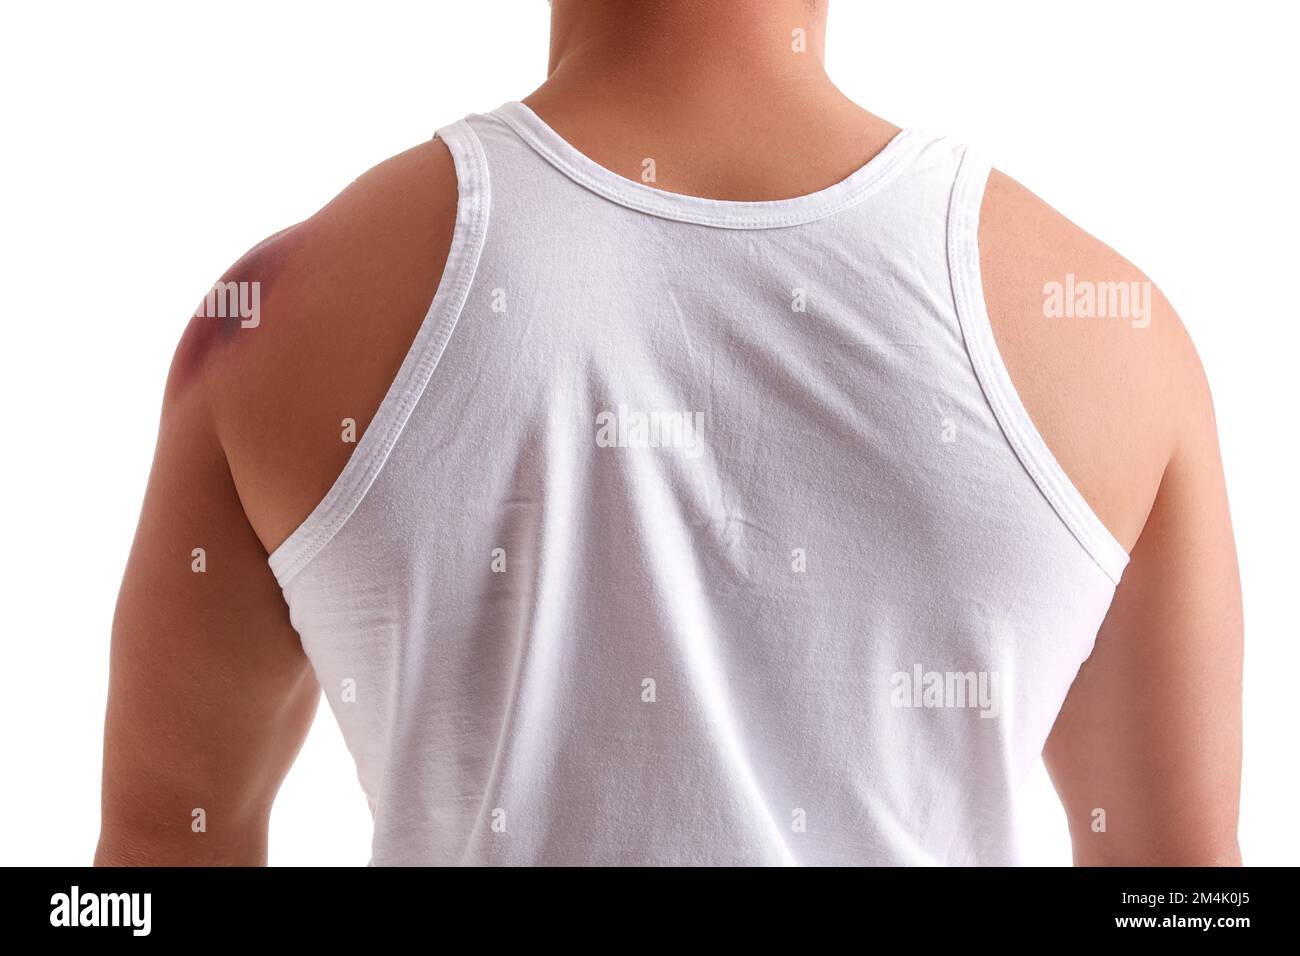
[
  {"x": 1063, "y": 496},
  {"x": 366, "y": 462},
  {"x": 667, "y": 207}
]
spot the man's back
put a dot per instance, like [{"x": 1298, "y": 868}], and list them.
[{"x": 696, "y": 531}]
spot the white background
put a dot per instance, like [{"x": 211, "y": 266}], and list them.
[{"x": 147, "y": 145}]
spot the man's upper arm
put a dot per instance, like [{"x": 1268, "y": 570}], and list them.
[
  {"x": 210, "y": 691},
  {"x": 210, "y": 694},
  {"x": 1151, "y": 731},
  {"x": 1146, "y": 753}
]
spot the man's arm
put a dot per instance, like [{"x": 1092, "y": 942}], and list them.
[
  {"x": 1148, "y": 744},
  {"x": 210, "y": 692},
  {"x": 1151, "y": 731}
]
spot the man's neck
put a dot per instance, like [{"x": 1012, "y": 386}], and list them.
[
  {"x": 678, "y": 46},
  {"x": 731, "y": 99}
]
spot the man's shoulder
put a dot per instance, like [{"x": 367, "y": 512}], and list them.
[
  {"x": 310, "y": 327},
  {"x": 1100, "y": 358}
]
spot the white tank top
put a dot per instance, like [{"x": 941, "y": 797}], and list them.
[{"x": 699, "y": 532}]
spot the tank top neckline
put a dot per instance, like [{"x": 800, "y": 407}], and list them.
[{"x": 723, "y": 213}]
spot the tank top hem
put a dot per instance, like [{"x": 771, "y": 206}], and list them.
[
  {"x": 378, "y": 440},
  {"x": 995, "y": 380},
  {"x": 869, "y": 178}
]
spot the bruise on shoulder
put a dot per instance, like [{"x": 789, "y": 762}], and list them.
[{"x": 231, "y": 310}]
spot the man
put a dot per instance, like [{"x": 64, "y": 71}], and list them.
[{"x": 625, "y": 525}]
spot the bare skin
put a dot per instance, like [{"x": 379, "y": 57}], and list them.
[{"x": 211, "y": 694}]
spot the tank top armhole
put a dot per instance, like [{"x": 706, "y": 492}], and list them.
[
  {"x": 995, "y": 381},
  {"x": 378, "y": 440}
]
